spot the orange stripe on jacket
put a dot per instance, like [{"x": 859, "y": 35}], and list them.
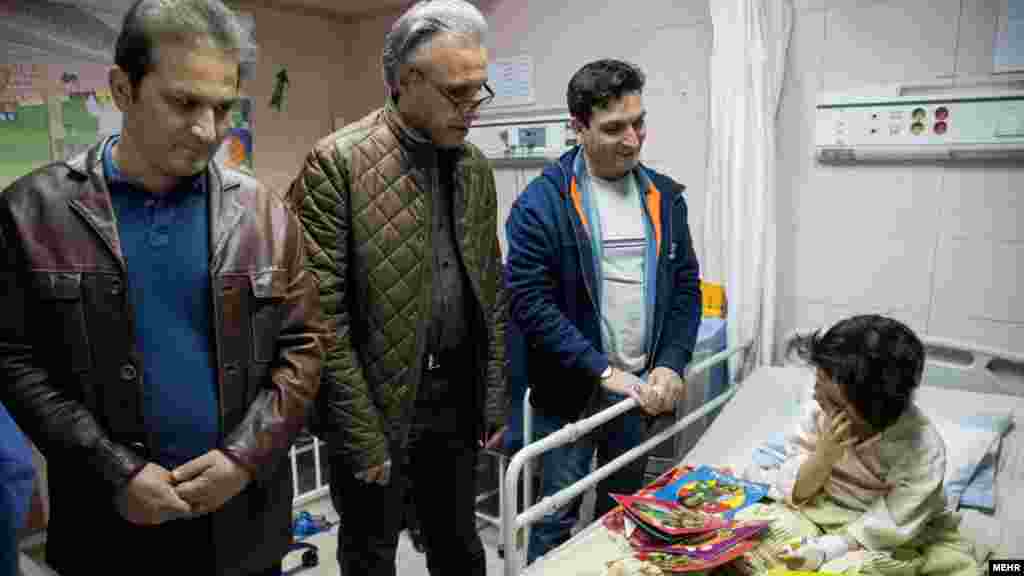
[
  {"x": 578, "y": 203},
  {"x": 653, "y": 208}
]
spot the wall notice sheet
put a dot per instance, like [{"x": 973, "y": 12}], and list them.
[
  {"x": 1009, "y": 47},
  {"x": 512, "y": 80}
]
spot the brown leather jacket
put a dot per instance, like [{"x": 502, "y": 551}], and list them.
[{"x": 71, "y": 372}]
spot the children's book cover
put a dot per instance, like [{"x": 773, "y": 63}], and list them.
[
  {"x": 785, "y": 572},
  {"x": 667, "y": 519},
  {"x": 712, "y": 492},
  {"x": 677, "y": 563},
  {"x": 706, "y": 546}
]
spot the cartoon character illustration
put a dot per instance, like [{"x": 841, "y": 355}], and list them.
[
  {"x": 671, "y": 518},
  {"x": 711, "y": 495}
]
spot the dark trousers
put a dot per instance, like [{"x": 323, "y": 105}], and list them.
[
  {"x": 175, "y": 547},
  {"x": 439, "y": 468},
  {"x": 567, "y": 464}
]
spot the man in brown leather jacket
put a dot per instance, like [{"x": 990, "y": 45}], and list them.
[
  {"x": 161, "y": 340},
  {"x": 400, "y": 215}
]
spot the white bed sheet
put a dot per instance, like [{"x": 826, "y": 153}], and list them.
[{"x": 767, "y": 403}]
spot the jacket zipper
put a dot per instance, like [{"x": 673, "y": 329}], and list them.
[
  {"x": 484, "y": 318},
  {"x": 579, "y": 246},
  {"x": 657, "y": 271},
  {"x": 586, "y": 284},
  {"x": 407, "y": 414}
]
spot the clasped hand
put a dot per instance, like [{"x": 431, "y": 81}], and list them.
[{"x": 156, "y": 495}]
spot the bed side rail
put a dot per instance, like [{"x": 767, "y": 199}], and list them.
[{"x": 511, "y": 522}]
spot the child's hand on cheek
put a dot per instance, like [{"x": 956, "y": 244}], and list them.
[{"x": 835, "y": 436}]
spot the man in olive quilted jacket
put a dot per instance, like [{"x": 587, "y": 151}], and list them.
[{"x": 400, "y": 220}]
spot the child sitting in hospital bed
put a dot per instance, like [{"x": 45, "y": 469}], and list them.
[{"x": 860, "y": 487}]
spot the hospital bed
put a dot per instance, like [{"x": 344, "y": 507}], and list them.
[{"x": 960, "y": 380}]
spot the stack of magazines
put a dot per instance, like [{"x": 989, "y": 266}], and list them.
[{"x": 688, "y": 525}]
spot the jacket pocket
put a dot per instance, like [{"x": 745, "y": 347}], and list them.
[
  {"x": 62, "y": 306},
  {"x": 266, "y": 296}
]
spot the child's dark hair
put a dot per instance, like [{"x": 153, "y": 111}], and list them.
[{"x": 877, "y": 362}]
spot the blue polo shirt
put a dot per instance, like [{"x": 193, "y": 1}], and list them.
[{"x": 166, "y": 244}]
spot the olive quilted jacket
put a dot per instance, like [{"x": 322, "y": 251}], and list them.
[{"x": 364, "y": 200}]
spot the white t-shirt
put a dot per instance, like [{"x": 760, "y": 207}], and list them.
[{"x": 624, "y": 245}]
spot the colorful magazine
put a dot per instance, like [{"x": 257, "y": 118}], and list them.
[
  {"x": 666, "y": 519},
  {"x": 786, "y": 572},
  {"x": 712, "y": 492},
  {"x": 708, "y": 546},
  {"x": 682, "y": 563}
]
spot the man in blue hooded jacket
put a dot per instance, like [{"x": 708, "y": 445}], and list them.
[{"x": 604, "y": 286}]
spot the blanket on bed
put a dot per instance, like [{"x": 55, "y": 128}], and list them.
[{"x": 939, "y": 549}]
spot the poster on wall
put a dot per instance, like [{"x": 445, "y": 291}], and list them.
[
  {"x": 512, "y": 81},
  {"x": 1009, "y": 47},
  {"x": 236, "y": 151},
  {"x": 55, "y": 98}
]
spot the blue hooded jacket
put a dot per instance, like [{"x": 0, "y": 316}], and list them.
[{"x": 551, "y": 280}]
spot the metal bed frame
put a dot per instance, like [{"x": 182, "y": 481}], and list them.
[
  {"x": 320, "y": 487},
  {"x": 520, "y": 466}
]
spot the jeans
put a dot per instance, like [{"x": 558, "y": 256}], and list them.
[
  {"x": 567, "y": 464},
  {"x": 440, "y": 469}
]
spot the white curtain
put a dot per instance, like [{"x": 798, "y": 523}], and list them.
[{"x": 748, "y": 62}]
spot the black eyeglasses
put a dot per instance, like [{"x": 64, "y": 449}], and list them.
[{"x": 463, "y": 105}]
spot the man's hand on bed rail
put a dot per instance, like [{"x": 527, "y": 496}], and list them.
[
  {"x": 668, "y": 387},
  {"x": 658, "y": 395},
  {"x": 626, "y": 384}
]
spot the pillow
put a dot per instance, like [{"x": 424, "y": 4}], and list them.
[
  {"x": 980, "y": 494},
  {"x": 970, "y": 442}
]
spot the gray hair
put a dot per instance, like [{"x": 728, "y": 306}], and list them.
[
  {"x": 420, "y": 24},
  {"x": 148, "y": 20}
]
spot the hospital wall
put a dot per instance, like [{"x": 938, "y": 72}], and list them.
[
  {"x": 670, "y": 40},
  {"x": 358, "y": 88},
  {"x": 308, "y": 45},
  {"x": 940, "y": 247}
]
